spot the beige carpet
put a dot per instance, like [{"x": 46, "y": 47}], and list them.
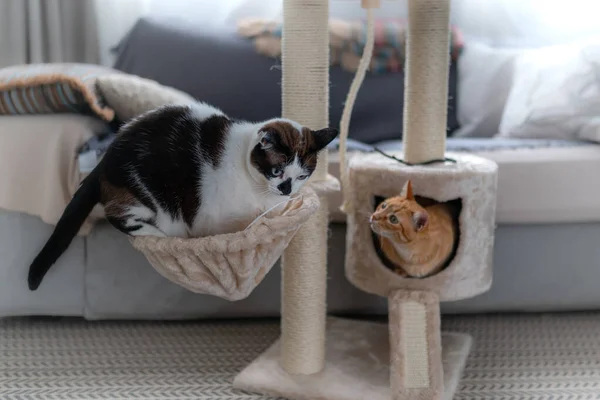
[{"x": 515, "y": 357}]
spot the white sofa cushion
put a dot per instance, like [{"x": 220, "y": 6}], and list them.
[
  {"x": 484, "y": 81},
  {"x": 555, "y": 92}
]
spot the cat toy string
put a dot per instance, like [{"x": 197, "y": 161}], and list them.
[{"x": 383, "y": 153}]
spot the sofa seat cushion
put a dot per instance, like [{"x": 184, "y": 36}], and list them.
[
  {"x": 539, "y": 181},
  {"x": 63, "y": 290}
]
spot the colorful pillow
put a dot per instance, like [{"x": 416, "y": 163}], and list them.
[
  {"x": 485, "y": 76},
  {"x": 347, "y": 42},
  {"x": 53, "y": 88}
]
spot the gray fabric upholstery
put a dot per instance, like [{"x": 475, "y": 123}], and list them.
[
  {"x": 544, "y": 267},
  {"x": 536, "y": 268},
  {"x": 21, "y": 236},
  {"x": 223, "y": 69}
]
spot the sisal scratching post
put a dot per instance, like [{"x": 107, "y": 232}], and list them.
[
  {"x": 303, "y": 307},
  {"x": 426, "y": 80},
  {"x": 305, "y": 98},
  {"x": 415, "y": 345},
  {"x": 300, "y": 353}
]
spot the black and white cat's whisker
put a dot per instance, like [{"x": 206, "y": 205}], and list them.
[{"x": 264, "y": 191}]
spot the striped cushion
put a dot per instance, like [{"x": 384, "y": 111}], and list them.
[{"x": 53, "y": 88}]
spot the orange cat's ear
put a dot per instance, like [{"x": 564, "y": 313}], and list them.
[
  {"x": 420, "y": 219},
  {"x": 407, "y": 191}
]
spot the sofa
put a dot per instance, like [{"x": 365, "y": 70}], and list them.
[{"x": 548, "y": 219}]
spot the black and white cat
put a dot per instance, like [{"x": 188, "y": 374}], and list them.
[{"x": 189, "y": 171}]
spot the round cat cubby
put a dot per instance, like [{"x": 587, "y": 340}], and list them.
[{"x": 469, "y": 183}]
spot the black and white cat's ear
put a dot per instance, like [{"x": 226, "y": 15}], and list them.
[
  {"x": 322, "y": 138},
  {"x": 265, "y": 139}
]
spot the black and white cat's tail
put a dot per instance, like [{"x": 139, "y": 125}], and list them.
[{"x": 78, "y": 209}]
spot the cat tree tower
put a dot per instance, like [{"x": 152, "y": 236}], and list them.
[{"x": 409, "y": 358}]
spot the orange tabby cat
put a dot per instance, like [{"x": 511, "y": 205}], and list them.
[{"x": 418, "y": 240}]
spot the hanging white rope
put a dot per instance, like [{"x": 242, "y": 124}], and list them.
[{"x": 363, "y": 66}]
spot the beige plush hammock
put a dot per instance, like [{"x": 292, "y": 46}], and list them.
[{"x": 231, "y": 265}]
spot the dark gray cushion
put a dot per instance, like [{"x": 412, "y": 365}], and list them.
[{"x": 223, "y": 69}]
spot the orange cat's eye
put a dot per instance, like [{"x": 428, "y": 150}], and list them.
[
  {"x": 383, "y": 206},
  {"x": 393, "y": 219}
]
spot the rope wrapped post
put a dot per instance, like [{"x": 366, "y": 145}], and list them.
[
  {"x": 305, "y": 98},
  {"x": 415, "y": 340},
  {"x": 415, "y": 345},
  {"x": 426, "y": 80}
]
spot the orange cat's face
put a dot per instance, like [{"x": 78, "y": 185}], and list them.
[{"x": 399, "y": 218}]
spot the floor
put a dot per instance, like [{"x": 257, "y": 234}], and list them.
[{"x": 529, "y": 357}]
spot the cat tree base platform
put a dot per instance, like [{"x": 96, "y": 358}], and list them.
[{"x": 357, "y": 366}]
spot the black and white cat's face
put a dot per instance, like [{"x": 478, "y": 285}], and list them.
[{"x": 286, "y": 155}]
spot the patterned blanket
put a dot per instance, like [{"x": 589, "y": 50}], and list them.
[{"x": 347, "y": 41}]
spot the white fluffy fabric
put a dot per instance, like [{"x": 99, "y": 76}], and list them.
[
  {"x": 484, "y": 83},
  {"x": 555, "y": 93},
  {"x": 229, "y": 266}
]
